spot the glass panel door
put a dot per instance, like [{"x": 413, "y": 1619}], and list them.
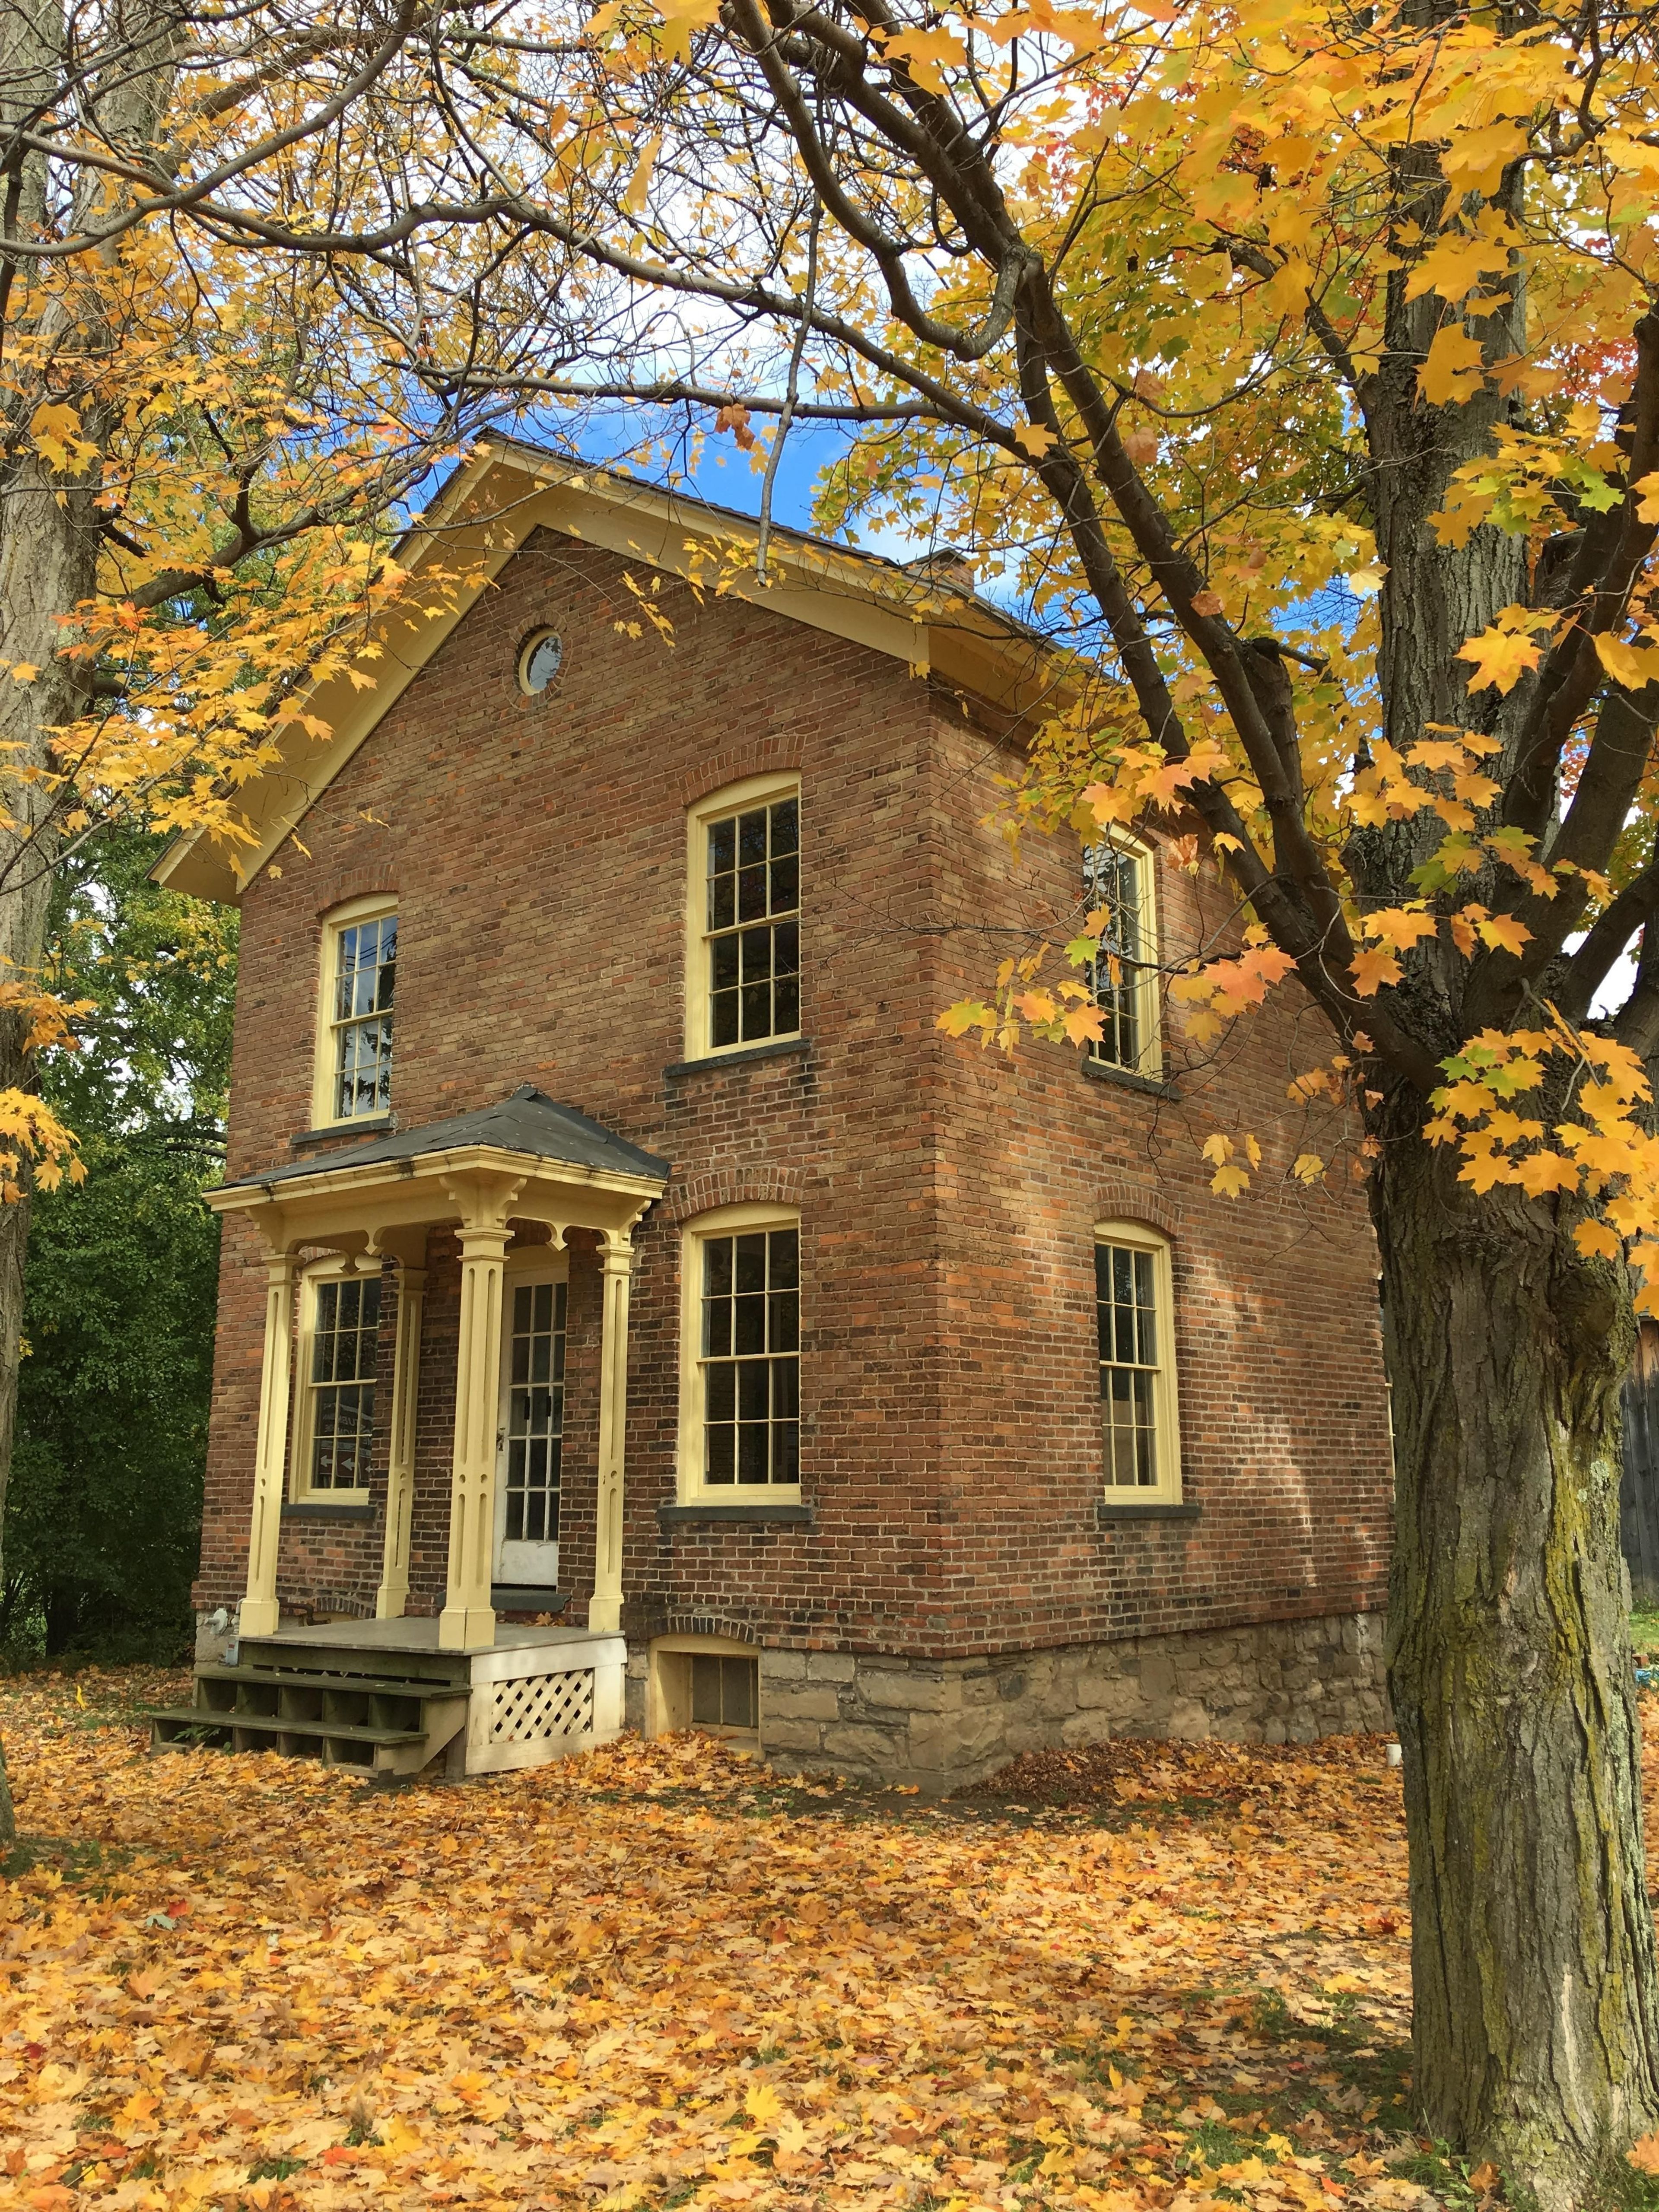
[{"x": 531, "y": 1435}]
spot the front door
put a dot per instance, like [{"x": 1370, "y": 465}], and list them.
[{"x": 531, "y": 1433}]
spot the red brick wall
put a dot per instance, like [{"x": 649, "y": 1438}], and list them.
[{"x": 950, "y": 1444}]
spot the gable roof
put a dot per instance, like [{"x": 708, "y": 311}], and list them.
[
  {"x": 485, "y": 513},
  {"x": 528, "y": 1122}
]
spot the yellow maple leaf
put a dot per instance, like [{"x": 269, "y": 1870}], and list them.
[
  {"x": 1546, "y": 1171},
  {"x": 1035, "y": 438},
  {"x": 1505, "y": 932},
  {"x": 927, "y": 52},
  {"x": 1501, "y": 658},
  {"x": 1400, "y": 926},
  {"x": 1371, "y": 969},
  {"x": 1452, "y": 371},
  {"x": 1474, "y": 160},
  {"x": 1229, "y": 1182},
  {"x": 1632, "y": 665},
  {"x": 763, "y": 2102},
  {"x": 1455, "y": 265}
]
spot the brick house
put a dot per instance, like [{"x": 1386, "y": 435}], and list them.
[{"x": 649, "y": 1312}]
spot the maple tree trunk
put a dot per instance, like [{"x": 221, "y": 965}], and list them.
[{"x": 1535, "y": 2025}]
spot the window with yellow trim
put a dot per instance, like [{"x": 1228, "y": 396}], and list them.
[
  {"x": 334, "y": 1430},
  {"x": 1117, "y": 898},
  {"x": 742, "y": 924},
  {"x": 1139, "y": 1430},
  {"x": 740, "y": 1354},
  {"x": 354, "y": 1047}
]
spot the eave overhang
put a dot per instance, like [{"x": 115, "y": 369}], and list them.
[{"x": 484, "y": 515}]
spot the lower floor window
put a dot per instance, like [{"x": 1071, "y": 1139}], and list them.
[
  {"x": 1137, "y": 1393},
  {"x": 750, "y": 1357},
  {"x": 344, "y": 1338}
]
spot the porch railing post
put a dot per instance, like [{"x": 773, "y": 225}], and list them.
[
  {"x": 468, "y": 1617},
  {"x": 605, "y": 1606},
  {"x": 259, "y": 1612},
  {"x": 393, "y": 1594}
]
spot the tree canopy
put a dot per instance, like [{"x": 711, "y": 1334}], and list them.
[{"x": 104, "y": 1507}]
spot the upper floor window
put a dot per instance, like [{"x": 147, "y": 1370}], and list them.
[
  {"x": 740, "y": 1346},
  {"x": 1117, "y": 888},
  {"x": 340, "y": 1321},
  {"x": 1133, "y": 1300},
  {"x": 360, "y": 974},
  {"x": 743, "y": 979}
]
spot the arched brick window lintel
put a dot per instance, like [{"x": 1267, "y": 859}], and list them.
[
  {"x": 735, "y": 1185},
  {"x": 779, "y": 755},
  {"x": 1117, "y": 1201}
]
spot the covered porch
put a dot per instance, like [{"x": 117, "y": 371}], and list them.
[{"x": 508, "y": 1182}]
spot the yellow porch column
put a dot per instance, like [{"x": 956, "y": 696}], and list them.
[
  {"x": 605, "y": 1606},
  {"x": 394, "y": 1593},
  {"x": 468, "y": 1617},
  {"x": 259, "y": 1615}
]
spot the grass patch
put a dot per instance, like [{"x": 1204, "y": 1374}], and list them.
[{"x": 77, "y": 1860}]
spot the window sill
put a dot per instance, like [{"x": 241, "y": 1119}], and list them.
[
  {"x": 1102, "y": 1070},
  {"x": 366, "y": 1125},
  {"x": 325, "y": 1509},
  {"x": 741, "y": 1056},
  {"x": 1108, "y": 1509},
  {"x": 790, "y": 1514}
]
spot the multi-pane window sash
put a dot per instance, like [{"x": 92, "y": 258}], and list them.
[
  {"x": 535, "y": 1413},
  {"x": 751, "y": 1357},
  {"x": 1112, "y": 887},
  {"x": 343, "y": 1348},
  {"x": 754, "y": 924},
  {"x": 365, "y": 975},
  {"x": 1125, "y": 1294}
]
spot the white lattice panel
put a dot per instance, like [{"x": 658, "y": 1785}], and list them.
[{"x": 541, "y": 1708}]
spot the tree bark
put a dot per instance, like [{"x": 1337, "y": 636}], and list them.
[{"x": 1535, "y": 2026}]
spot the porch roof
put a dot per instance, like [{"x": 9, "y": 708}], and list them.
[
  {"x": 527, "y": 1158},
  {"x": 528, "y": 1123}
]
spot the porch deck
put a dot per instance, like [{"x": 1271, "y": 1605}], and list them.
[{"x": 417, "y": 1633}]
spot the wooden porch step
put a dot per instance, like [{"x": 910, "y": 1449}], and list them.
[
  {"x": 376, "y": 1685},
  {"x": 204, "y": 1716},
  {"x": 354, "y": 1713}
]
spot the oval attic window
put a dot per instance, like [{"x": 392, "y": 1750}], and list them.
[{"x": 540, "y": 661}]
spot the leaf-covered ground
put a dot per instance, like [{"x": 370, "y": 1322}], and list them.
[{"x": 1163, "y": 1976}]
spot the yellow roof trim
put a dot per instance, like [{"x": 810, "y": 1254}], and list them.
[{"x": 485, "y": 513}]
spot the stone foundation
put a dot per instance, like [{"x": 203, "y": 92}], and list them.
[{"x": 945, "y": 1725}]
